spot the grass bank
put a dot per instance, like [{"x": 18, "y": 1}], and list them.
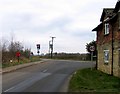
[
  {"x": 21, "y": 61},
  {"x": 87, "y": 80}
]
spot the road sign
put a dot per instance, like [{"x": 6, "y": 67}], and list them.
[
  {"x": 92, "y": 48},
  {"x": 38, "y": 46}
]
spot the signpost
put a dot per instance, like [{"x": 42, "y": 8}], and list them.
[{"x": 92, "y": 49}]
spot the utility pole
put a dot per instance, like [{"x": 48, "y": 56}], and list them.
[{"x": 51, "y": 46}]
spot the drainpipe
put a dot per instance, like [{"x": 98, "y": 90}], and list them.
[{"x": 112, "y": 51}]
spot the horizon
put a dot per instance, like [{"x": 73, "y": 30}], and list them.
[{"x": 32, "y": 22}]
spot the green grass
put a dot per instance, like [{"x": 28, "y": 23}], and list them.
[{"x": 87, "y": 80}]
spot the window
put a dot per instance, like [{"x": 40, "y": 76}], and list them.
[
  {"x": 106, "y": 56},
  {"x": 106, "y": 28}
]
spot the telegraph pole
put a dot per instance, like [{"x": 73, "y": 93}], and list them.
[{"x": 51, "y": 46}]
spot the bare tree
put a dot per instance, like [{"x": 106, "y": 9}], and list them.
[
  {"x": 10, "y": 48},
  {"x": 14, "y": 47},
  {"x": 4, "y": 52}
]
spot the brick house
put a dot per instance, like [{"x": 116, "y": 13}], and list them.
[{"x": 108, "y": 41}]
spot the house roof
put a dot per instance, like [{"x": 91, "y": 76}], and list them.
[
  {"x": 98, "y": 27},
  {"x": 117, "y": 7},
  {"x": 107, "y": 12}
]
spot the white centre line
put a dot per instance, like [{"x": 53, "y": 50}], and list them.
[
  {"x": 28, "y": 82},
  {"x": 44, "y": 70},
  {"x": 9, "y": 89}
]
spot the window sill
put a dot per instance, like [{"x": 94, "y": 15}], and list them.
[
  {"x": 105, "y": 63},
  {"x": 106, "y": 34}
]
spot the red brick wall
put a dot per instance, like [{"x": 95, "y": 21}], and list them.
[
  {"x": 105, "y": 42},
  {"x": 101, "y": 38}
]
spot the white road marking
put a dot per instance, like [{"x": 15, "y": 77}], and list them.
[
  {"x": 45, "y": 70},
  {"x": 9, "y": 89},
  {"x": 28, "y": 82}
]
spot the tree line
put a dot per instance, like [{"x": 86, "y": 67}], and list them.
[
  {"x": 70, "y": 56},
  {"x": 76, "y": 56},
  {"x": 10, "y": 48}
]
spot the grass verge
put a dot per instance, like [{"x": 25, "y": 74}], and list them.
[
  {"x": 21, "y": 61},
  {"x": 87, "y": 80}
]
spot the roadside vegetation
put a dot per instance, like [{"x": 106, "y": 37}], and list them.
[
  {"x": 22, "y": 60},
  {"x": 76, "y": 56},
  {"x": 92, "y": 80},
  {"x": 69, "y": 56},
  {"x": 9, "y": 50}
]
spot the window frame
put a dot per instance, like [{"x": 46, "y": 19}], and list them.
[
  {"x": 106, "y": 59},
  {"x": 107, "y": 28}
]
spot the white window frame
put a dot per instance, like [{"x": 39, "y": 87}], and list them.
[
  {"x": 107, "y": 28},
  {"x": 106, "y": 56}
]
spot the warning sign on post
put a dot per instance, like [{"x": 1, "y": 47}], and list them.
[{"x": 92, "y": 48}]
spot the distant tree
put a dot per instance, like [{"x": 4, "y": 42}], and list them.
[
  {"x": 3, "y": 45},
  {"x": 4, "y": 50},
  {"x": 8, "y": 50},
  {"x": 26, "y": 53},
  {"x": 14, "y": 47}
]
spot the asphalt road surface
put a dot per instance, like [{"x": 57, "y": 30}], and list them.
[{"x": 49, "y": 76}]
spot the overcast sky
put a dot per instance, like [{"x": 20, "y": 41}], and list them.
[{"x": 34, "y": 21}]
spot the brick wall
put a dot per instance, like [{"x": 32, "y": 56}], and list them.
[
  {"x": 105, "y": 43},
  {"x": 102, "y": 65},
  {"x": 116, "y": 61},
  {"x": 116, "y": 66}
]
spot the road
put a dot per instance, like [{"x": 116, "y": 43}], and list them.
[{"x": 49, "y": 76}]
